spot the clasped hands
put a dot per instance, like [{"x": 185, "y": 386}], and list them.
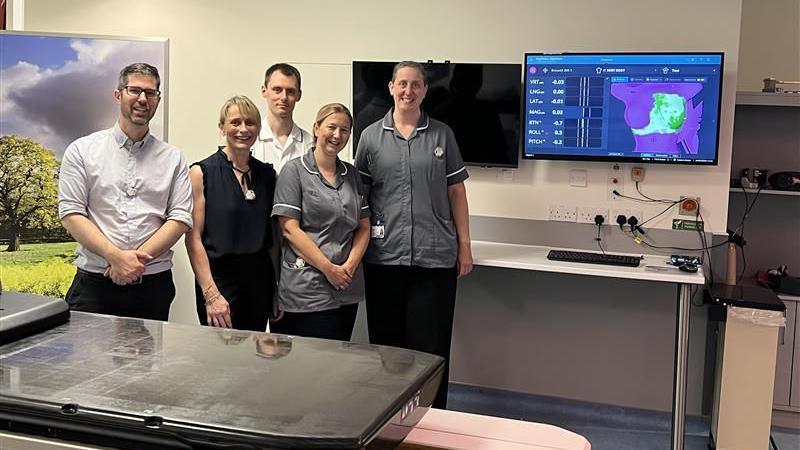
[
  {"x": 126, "y": 266},
  {"x": 340, "y": 276}
]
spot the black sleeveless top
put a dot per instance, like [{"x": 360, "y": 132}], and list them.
[{"x": 234, "y": 225}]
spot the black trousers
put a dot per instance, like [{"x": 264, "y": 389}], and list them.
[
  {"x": 412, "y": 307},
  {"x": 150, "y": 299},
  {"x": 329, "y": 324},
  {"x": 248, "y": 283}
]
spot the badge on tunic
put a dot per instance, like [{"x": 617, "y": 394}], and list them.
[
  {"x": 250, "y": 195},
  {"x": 378, "y": 230},
  {"x": 438, "y": 152},
  {"x": 131, "y": 191}
]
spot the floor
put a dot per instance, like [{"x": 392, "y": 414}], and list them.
[{"x": 606, "y": 427}]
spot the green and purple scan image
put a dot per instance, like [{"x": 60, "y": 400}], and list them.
[{"x": 662, "y": 117}]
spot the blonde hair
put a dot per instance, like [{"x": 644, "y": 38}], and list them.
[
  {"x": 246, "y": 108},
  {"x": 329, "y": 109}
]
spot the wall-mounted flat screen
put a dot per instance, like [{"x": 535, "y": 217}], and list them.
[
  {"x": 480, "y": 102},
  {"x": 626, "y": 107}
]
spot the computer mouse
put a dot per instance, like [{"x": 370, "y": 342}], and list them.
[{"x": 691, "y": 268}]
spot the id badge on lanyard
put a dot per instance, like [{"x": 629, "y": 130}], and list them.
[{"x": 378, "y": 230}]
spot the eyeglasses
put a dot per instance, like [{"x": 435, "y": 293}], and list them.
[{"x": 136, "y": 91}]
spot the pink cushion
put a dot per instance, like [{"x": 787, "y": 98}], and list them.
[{"x": 452, "y": 430}]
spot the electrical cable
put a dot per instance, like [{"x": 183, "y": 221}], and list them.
[
  {"x": 748, "y": 206},
  {"x": 652, "y": 199},
  {"x": 692, "y": 293},
  {"x": 747, "y": 210},
  {"x": 701, "y": 232},
  {"x": 661, "y": 213},
  {"x": 741, "y": 234},
  {"x": 687, "y": 249},
  {"x": 618, "y": 194},
  {"x": 600, "y": 244},
  {"x": 744, "y": 267},
  {"x": 705, "y": 248},
  {"x": 598, "y": 220}
]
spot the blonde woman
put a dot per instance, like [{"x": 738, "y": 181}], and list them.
[
  {"x": 230, "y": 244},
  {"x": 325, "y": 224}
]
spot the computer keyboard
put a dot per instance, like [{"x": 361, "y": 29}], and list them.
[{"x": 593, "y": 258}]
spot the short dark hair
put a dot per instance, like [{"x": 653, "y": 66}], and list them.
[
  {"x": 286, "y": 69},
  {"x": 138, "y": 68},
  {"x": 410, "y": 65}
]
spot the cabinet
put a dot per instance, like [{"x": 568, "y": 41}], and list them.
[
  {"x": 766, "y": 136},
  {"x": 787, "y": 371},
  {"x": 787, "y": 386}
]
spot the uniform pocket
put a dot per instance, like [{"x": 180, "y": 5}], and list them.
[{"x": 444, "y": 232}]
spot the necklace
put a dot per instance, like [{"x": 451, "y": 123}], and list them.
[{"x": 247, "y": 182}]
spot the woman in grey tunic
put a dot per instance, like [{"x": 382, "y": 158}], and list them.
[{"x": 324, "y": 219}]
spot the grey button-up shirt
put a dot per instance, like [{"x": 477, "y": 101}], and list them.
[
  {"x": 407, "y": 180},
  {"x": 127, "y": 189},
  {"x": 329, "y": 215}
]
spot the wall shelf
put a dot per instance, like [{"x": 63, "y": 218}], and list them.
[
  {"x": 738, "y": 190},
  {"x": 789, "y": 297},
  {"x": 766, "y": 135},
  {"x": 767, "y": 99}
]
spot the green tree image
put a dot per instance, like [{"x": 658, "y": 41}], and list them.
[{"x": 28, "y": 188}]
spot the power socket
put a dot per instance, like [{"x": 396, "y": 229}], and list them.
[
  {"x": 637, "y": 174},
  {"x": 689, "y": 206},
  {"x": 561, "y": 213},
  {"x": 505, "y": 174},
  {"x": 627, "y": 213},
  {"x": 586, "y": 214}
]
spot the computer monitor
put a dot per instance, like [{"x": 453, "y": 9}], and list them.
[{"x": 623, "y": 107}]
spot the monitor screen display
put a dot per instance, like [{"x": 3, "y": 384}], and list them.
[
  {"x": 480, "y": 103},
  {"x": 626, "y": 107}
]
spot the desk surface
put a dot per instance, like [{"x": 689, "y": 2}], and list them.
[{"x": 534, "y": 257}]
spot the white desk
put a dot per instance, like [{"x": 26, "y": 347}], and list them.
[{"x": 532, "y": 257}]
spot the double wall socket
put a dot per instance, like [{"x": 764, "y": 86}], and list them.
[
  {"x": 586, "y": 214},
  {"x": 562, "y": 213},
  {"x": 627, "y": 213}
]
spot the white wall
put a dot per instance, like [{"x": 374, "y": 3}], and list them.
[
  {"x": 220, "y": 49},
  {"x": 770, "y": 42}
]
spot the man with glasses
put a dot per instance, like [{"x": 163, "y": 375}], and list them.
[
  {"x": 125, "y": 196},
  {"x": 281, "y": 139}
]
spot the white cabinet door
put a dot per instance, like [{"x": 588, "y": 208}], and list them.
[
  {"x": 787, "y": 350},
  {"x": 795, "y": 396}
]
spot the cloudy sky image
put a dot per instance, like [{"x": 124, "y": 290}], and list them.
[{"x": 57, "y": 89}]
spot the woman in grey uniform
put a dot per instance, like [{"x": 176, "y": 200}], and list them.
[
  {"x": 420, "y": 240},
  {"x": 325, "y": 223}
]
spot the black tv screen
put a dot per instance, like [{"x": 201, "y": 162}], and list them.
[
  {"x": 480, "y": 102},
  {"x": 626, "y": 107}
]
